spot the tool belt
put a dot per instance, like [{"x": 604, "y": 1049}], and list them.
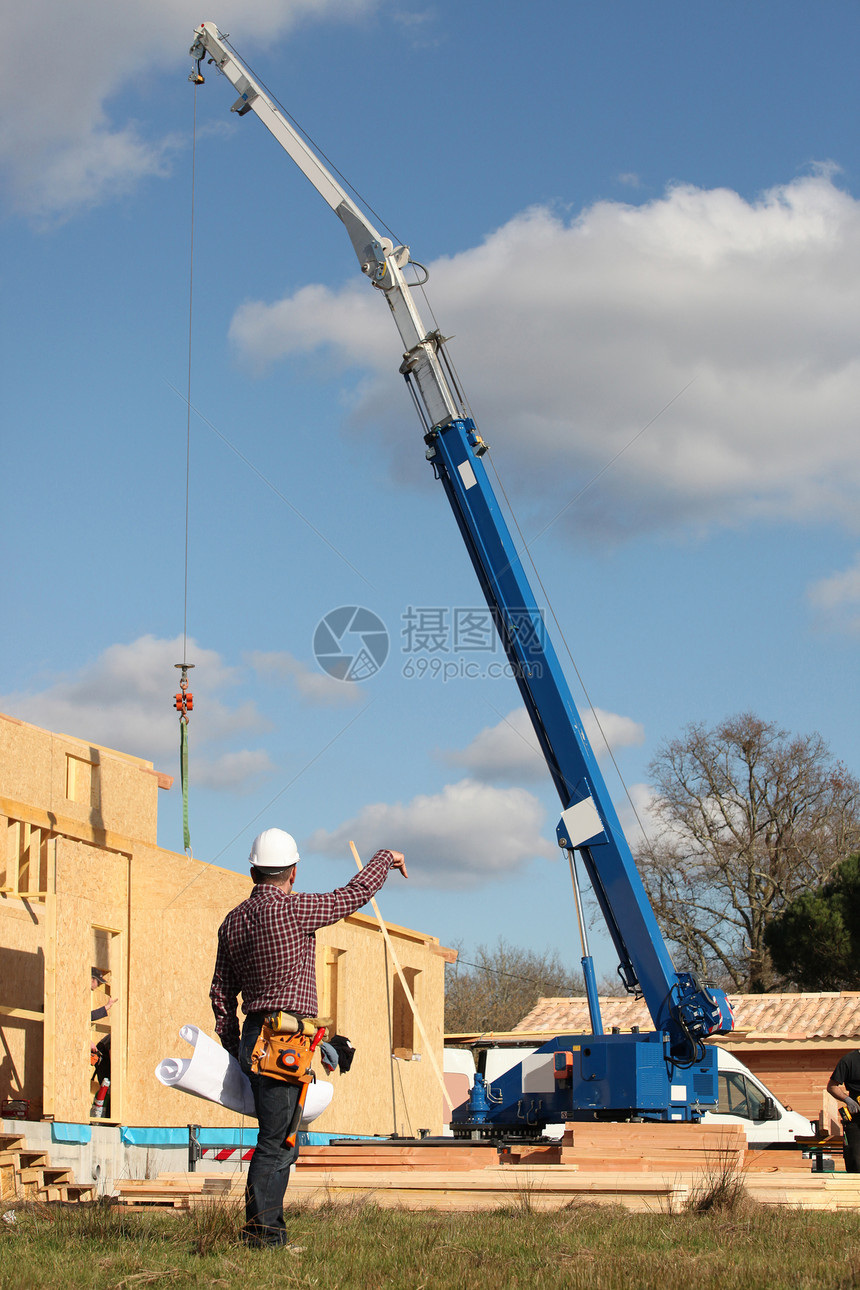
[{"x": 283, "y": 1056}]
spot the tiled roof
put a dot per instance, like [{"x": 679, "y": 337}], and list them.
[{"x": 762, "y": 1016}]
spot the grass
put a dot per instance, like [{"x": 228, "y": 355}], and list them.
[
  {"x": 721, "y": 1187},
  {"x": 740, "y": 1247}
]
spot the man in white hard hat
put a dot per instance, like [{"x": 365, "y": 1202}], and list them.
[{"x": 266, "y": 953}]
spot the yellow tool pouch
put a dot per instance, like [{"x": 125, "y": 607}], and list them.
[
  {"x": 287, "y": 1023},
  {"x": 286, "y": 1057}
]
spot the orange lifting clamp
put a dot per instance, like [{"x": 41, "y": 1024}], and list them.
[{"x": 184, "y": 700}]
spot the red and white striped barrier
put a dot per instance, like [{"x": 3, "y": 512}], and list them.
[{"x": 225, "y": 1153}]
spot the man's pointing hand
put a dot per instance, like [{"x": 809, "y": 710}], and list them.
[{"x": 398, "y": 862}]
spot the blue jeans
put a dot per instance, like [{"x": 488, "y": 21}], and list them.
[{"x": 275, "y": 1102}]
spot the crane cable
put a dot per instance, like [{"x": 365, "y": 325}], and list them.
[{"x": 184, "y": 699}]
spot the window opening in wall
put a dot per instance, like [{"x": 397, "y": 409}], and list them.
[
  {"x": 332, "y": 981},
  {"x": 402, "y": 1017},
  {"x": 82, "y": 781},
  {"x": 104, "y": 1001}
]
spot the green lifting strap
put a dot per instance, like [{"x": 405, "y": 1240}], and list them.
[{"x": 183, "y": 770}]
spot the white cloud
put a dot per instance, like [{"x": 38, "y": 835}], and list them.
[
  {"x": 346, "y": 322},
  {"x": 609, "y": 730},
  {"x": 466, "y": 835},
  {"x": 505, "y": 753},
  {"x": 509, "y": 752},
  {"x": 123, "y": 700},
  {"x": 837, "y": 599},
  {"x": 315, "y": 688},
  {"x": 637, "y": 816},
  {"x": 233, "y": 772},
  {"x": 62, "y": 66},
  {"x": 572, "y": 335}
]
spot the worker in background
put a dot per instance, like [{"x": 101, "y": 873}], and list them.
[
  {"x": 844, "y": 1085},
  {"x": 98, "y": 979},
  {"x": 99, "y": 1054},
  {"x": 266, "y": 953}
]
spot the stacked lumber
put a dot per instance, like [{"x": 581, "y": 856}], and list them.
[
  {"x": 29, "y": 1175},
  {"x": 653, "y": 1148},
  {"x": 642, "y": 1167},
  {"x": 541, "y": 1188},
  {"x": 799, "y": 1189},
  {"x": 387, "y": 1154},
  {"x": 178, "y": 1191},
  {"x": 772, "y": 1159}
]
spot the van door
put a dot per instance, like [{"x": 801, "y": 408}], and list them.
[{"x": 742, "y": 1098}]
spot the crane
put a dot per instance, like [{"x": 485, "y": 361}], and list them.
[{"x": 664, "y": 1074}]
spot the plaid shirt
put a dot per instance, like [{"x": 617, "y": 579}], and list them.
[{"x": 266, "y": 948}]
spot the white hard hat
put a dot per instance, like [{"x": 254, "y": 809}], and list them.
[{"x": 273, "y": 849}]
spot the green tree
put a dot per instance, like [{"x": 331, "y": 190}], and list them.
[
  {"x": 502, "y": 984},
  {"x": 748, "y": 818},
  {"x": 814, "y": 942}
]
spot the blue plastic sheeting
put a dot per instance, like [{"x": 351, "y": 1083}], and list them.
[
  {"x": 227, "y": 1137},
  {"x": 80, "y": 1133},
  {"x": 155, "y": 1137},
  {"x": 134, "y": 1137}
]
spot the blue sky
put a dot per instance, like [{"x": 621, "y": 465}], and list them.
[{"x": 634, "y": 216}]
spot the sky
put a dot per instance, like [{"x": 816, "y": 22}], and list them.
[{"x": 642, "y": 229}]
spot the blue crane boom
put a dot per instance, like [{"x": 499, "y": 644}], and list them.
[{"x": 664, "y": 1074}]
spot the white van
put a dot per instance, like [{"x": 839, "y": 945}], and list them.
[{"x": 742, "y": 1096}]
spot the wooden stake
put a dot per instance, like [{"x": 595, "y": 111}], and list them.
[{"x": 399, "y": 970}]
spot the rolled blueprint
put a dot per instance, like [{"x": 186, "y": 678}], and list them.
[{"x": 214, "y": 1074}]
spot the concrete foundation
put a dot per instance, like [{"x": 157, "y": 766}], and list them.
[{"x": 107, "y": 1158}]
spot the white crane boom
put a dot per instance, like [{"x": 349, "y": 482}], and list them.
[{"x": 380, "y": 260}]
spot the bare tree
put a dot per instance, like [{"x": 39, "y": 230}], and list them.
[
  {"x": 748, "y": 817},
  {"x": 501, "y": 985}
]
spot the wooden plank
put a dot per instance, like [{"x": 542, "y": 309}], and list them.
[
  {"x": 24, "y": 1013},
  {"x": 49, "y": 1029},
  {"x": 692, "y": 1135},
  {"x": 8, "y": 1182},
  {"x": 31, "y": 1159},
  {"x": 431, "y": 1157}
]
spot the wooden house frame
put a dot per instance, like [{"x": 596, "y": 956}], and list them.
[{"x": 84, "y": 884}]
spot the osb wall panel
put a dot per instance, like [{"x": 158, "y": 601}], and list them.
[
  {"x": 177, "y": 905},
  {"x": 25, "y": 762},
  {"x": 92, "y": 891},
  {"x": 79, "y": 781},
  {"x": 21, "y": 986},
  {"x": 381, "y": 1094}
]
